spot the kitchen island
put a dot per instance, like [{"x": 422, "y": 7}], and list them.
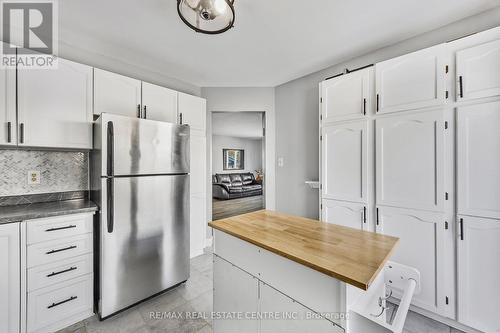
[{"x": 280, "y": 273}]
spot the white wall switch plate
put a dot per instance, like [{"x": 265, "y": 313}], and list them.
[
  {"x": 34, "y": 177},
  {"x": 281, "y": 162}
]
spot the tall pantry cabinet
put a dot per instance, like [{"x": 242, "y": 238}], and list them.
[{"x": 425, "y": 166}]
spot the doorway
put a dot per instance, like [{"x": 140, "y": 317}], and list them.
[{"x": 238, "y": 163}]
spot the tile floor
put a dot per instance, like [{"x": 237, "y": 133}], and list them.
[{"x": 196, "y": 296}]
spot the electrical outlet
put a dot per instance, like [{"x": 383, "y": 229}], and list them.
[{"x": 34, "y": 177}]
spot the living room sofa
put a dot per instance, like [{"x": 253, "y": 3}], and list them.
[{"x": 227, "y": 186}]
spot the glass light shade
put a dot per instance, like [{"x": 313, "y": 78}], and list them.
[{"x": 207, "y": 16}]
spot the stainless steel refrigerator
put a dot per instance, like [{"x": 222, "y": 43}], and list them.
[{"x": 140, "y": 181}]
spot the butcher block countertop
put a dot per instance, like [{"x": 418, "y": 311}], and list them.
[{"x": 352, "y": 256}]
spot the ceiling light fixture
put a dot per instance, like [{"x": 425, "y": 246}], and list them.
[{"x": 207, "y": 16}]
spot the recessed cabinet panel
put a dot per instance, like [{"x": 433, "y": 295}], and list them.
[
  {"x": 347, "y": 214},
  {"x": 159, "y": 103},
  {"x": 55, "y": 106},
  {"x": 345, "y": 156},
  {"x": 8, "y": 128},
  {"x": 478, "y": 71},
  {"x": 412, "y": 81},
  {"x": 478, "y": 271},
  {"x": 422, "y": 245},
  {"x": 10, "y": 286},
  {"x": 192, "y": 111},
  {"x": 118, "y": 94},
  {"x": 410, "y": 160},
  {"x": 478, "y": 160},
  {"x": 347, "y": 96}
]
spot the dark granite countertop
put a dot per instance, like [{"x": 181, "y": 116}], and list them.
[{"x": 38, "y": 210}]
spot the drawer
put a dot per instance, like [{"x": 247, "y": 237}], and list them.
[
  {"x": 43, "y": 230},
  {"x": 56, "y": 272},
  {"x": 52, "y": 308},
  {"x": 59, "y": 249}
]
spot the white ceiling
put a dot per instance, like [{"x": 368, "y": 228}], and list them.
[
  {"x": 273, "y": 41},
  {"x": 237, "y": 124}
]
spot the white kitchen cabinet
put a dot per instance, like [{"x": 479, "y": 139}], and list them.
[
  {"x": 478, "y": 160},
  {"x": 8, "y": 128},
  {"x": 424, "y": 246},
  {"x": 10, "y": 282},
  {"x": 478, "y": 71},
  {"x": 235, "y": 291},
  {"x": 347, "y": 214},
  {"x": 198, "y": 190},
  {"x": 347, "y": 96},
  {"x": 304, "y": 320},
  {"x": 55, "y": 106},
  {"x": 412, "y": 81},
  {"x": 159, "y": 103},
  {"x": 118, "y": 94},
  {"x": 198, "y": 223},
  {"x": 192, "y": 111},
  {"x": 345, "y": 171},
  {"x": 410, "y": 160},
  {"x": 478, "y": 249}
]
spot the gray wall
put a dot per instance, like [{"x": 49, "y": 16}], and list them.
[
  {"x": 297, "y": 103},
  {"x": 60, "y": 171},
  {"x": 252, "y": 155}
]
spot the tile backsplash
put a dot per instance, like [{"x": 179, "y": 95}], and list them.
[{"x": 59, "y": 171}]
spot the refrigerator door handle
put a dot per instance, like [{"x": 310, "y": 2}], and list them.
[
  {"x": 111, "y": 148},
  {"x": 110, "y": 204}
]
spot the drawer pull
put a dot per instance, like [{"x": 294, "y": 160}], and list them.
[
  {"x": 61, "y": 228},
  {"x": 63, "y": 249},
  {"x": 60, "y": 272},
  {"x": 62, "y": 302}
]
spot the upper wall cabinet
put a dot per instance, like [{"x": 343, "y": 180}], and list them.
[
  {"x": 8, "y": 107},
  {"x": 413, "y": 81},
  {"x": 478, "y": 160},
  {"x": 347, "y": 96},
  {"x": 118, "y": 94},
  {"x": 345, "y": 157},
  {"x": 477, "y": 71},
  {"x": 159, "y": 103},
  {"x": 192, "y": 111},
  {"x": 410, "y": 160},
  {"x": 55, "y": 106}
]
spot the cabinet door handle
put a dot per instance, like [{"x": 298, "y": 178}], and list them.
[
  {"x": 9, "y": 132},
  {"x": 139, "y": 115},
  {"x": 364, "y": 214},
  {"x": 63, "y": 249},
  {"x": 377, "y": 217},
  {"x": 377, "y": 102},
  {"x": 461, "y": 229},
  {"x": 461, "y": 86},
  {"x": 364, "y": 106},
  {"x": 21, "y": 134},
  {"x": 61, "y": 272},
  {"x": 60, "y": 228},
  {"x": 180, "y": 118},
  {"x": 62, "y": 302},
  {"x": 145, "y": 114}
]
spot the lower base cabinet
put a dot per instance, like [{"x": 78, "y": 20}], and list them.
[
  {"x": 478, "y": 249},
  {"x": 347, "y": 214}
]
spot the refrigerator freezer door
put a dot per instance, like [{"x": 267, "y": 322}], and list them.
[
  {"x": 142, "y": 147},
  {"x": 147, "y": 249}
]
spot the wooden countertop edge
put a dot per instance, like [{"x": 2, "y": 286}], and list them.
[{"x": 346, "y": 279}]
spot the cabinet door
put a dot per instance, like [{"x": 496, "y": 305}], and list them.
[
  {"x": 10, "y": 283},
  {"x": 422, "y": 245},
  {"x": 193, "y": 112},
  {"x": 198, "y": 190},
  {"x": 478, "y": 271},
  {"x": 410, "y": 160},
  {"x": 347, "y": 214},
  {"x": 345, "y": 157},
  {"x": 118, "y": 94},
  {"x": 478, "y": 71},
  {"x": 198, "y": 224},
  {"x": 55, "y": 106},
  {"x": 159, "y": 103},
  {"x": 8, "y": 123},
  {"x": 347, "y": 96},
  {"x": 412, "y": 81},
  {"x": 300, "y": 319},
  {"x": 234, "y": 291},
  {"x": 478, "y": 160}
]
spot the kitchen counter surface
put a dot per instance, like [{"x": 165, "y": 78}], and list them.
[
  {"x": 352, "y": 256},
  {"x": 17, "y": 213}
]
